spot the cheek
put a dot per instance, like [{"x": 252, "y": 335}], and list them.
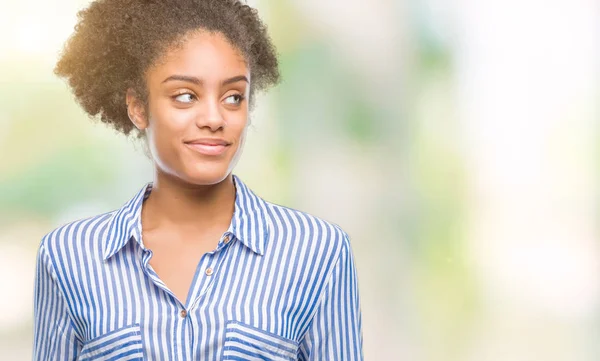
[
  {"x": 241, "y": 139},
  {"x": 238, "y": 124},
  {"x": 166, "y": 130}
]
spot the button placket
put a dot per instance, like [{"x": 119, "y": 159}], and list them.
[
  {"x": 205, "y": 275},
  {"x": 209, "y": 264}
]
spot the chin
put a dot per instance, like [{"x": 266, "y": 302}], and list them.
[{"x": 207, "y": 175}]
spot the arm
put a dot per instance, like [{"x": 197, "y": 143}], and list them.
[
  {"x": 54, "y": 337},
  {"x": 335, "y": 332}
]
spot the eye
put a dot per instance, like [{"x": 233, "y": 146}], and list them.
[
  {"x": 185, "y": 98},
  {"x": 234, "y": 99}
]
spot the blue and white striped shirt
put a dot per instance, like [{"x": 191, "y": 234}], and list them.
[{"x": 283, "y": 286}]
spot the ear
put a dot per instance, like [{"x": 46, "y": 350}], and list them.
[{"x": 136, "y": 110}]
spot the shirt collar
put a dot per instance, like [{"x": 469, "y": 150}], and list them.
[{"x": 248, "y": 223}]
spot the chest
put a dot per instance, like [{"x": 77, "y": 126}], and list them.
[
  {"x": 177, "y": 261},
  {"x": 248, "y": 302}
]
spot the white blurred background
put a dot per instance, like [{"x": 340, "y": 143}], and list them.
[{"x": 455, "y": 141}]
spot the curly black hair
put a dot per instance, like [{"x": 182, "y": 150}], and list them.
[{"x": 115, "y": 41}]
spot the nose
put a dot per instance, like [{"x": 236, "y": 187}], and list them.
[{"x": 211, "y": 115}]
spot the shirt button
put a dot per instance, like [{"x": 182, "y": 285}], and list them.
[
  {"x": 226, "y": 239},
  {"x": 209, "y": 271},
  {"x": 183, "y": 313}
]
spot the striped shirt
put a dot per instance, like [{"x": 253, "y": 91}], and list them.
[{"x": 280, "y": 285}]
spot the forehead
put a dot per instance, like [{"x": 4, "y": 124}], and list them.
[{"x": 202, "y": 54}]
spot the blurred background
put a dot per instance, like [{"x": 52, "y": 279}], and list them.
[{"x": 455, "y": 141}]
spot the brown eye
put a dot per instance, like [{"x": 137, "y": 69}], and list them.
[
  {"x": 185, "y": 98},
  {"x": 234, "y": 99}
]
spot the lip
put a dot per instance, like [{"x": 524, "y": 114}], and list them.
[{"x": 208, "y": 146}]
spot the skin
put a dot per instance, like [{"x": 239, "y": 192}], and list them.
[{"x": 192, "y": 201}]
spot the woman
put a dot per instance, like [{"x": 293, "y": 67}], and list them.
[{"x": 195, "y": 266}]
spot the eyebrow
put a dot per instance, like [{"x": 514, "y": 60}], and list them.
[{"x": 194, "y": 80}]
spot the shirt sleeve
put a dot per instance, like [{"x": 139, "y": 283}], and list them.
[
  {"x": 54, "y": 337},
  {"x": 335, "y": 332}
]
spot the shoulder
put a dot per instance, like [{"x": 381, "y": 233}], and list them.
[
  {"x": 76, "y": 237},
  {"x": 305, "y": 230}
]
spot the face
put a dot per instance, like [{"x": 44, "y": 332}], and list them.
[{"x": 197, "y": 109}]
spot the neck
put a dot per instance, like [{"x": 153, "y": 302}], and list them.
[{"x": 188, "y": 207}]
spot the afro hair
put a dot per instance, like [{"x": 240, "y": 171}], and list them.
[{"x": 115, "y": 41}]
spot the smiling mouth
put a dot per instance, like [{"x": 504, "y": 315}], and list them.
[{"x": 208, "y": 149}]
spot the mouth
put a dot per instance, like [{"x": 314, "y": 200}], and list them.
[
  {"x": 207, "y": 149},
  {"x": 212, "y": 147}
]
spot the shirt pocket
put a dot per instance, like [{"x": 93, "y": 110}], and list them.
[
  {"x": 246, "y": 343},
  {"x": 119, "y": 345}
]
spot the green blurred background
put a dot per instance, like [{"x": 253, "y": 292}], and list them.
[{"x": 455, "y": 141}]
